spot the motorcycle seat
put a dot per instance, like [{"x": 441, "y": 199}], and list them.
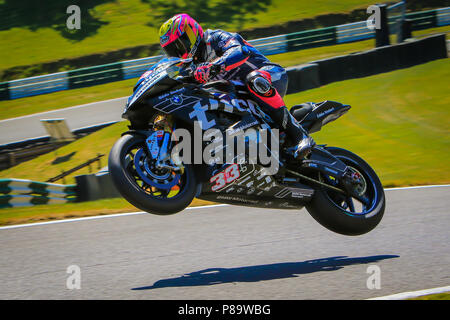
[{"x": 300, "y": 111}]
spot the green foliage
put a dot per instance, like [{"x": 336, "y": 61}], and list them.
[
  {"x": 215, "y": 14},
  {"x": 34, "y": 15},
  {"x": 35, "y": 32},
  {"x": 398, "y": 122}
]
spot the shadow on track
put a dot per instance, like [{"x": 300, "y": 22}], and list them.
[{"x": 212, "y": 276}]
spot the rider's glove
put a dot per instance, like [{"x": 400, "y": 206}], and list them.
[
  {"x": 203, "y": 72},
  {"x": 207, "y": 70}
]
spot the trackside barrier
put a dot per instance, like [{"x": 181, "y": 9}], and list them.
[
  {"x": 92, "y": 187},
  {"x": 38, "y": 85},
  {"x": 21, "y": 193},
  {"x": 85, "y": 77},
  {"x": 357, "y": 31},
  {"x": 366, "y": 63}
]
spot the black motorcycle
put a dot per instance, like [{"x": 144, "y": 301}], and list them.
[{"x": 338, "y": 188}]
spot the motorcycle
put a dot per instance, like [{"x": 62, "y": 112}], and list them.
[{"x": 338, "y": 188}]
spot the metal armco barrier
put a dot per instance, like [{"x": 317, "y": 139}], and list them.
[
  {"x": 21, "y": 193},
  {"x": 268, "y": 46},
  {"x": 366, "y": 63}
]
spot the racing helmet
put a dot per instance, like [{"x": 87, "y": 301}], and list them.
[{"x": 180, "y": 36}]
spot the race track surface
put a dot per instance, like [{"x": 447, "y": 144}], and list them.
[
  {"x": 231, "y": 252},
  {"x": 12, "y": 130}
]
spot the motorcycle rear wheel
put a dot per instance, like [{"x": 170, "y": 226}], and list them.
[{"x": 342, "y": 214}]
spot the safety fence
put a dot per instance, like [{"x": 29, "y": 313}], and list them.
[
  {"x": 101, "y": 74},
  {"x": 21, "y": 193},
  {"x": 366, "y": 63}
]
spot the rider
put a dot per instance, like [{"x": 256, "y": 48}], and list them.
[{"x": 223, "y": 55}]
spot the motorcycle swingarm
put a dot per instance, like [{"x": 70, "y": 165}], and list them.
[{"x": 323, "y": 161}]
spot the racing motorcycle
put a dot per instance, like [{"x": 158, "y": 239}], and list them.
[{"x": 338, "y": 188}]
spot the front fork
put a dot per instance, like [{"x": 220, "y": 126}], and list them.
[{"x": 159, "y": 144}]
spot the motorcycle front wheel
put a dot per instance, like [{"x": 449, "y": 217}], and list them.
[{"x": 156, "y": 191}]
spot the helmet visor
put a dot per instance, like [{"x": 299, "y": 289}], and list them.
[{"x": 179, "y": 48}]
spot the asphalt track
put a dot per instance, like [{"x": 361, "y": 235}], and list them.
[
  {"x": 230, "y": 252},
  {"x": 30, "y": 126}
]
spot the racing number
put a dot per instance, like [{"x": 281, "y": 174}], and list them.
[{"x": 227, "y": 176}]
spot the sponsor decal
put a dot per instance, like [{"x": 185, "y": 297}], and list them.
[
  {"x": 146, "y": 74},
  {"x": 234, "y": 198},
  {"x": 243, "y": 127},
  {"x": 324, "y": 113},
  {"x": 177, "y": 100},
  {"x": 225, "y": 177}
]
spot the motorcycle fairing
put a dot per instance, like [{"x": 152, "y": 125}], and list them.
[
  {"x": 314, "y": 116},
  {"x": 256, "y": 189}
]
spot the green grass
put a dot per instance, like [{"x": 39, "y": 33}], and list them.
[
  {"x": 33, "y": 37},
  {"x": 41, "y": 213},
  {"x": 439, "y": 296},
  {"x": 398, "y": 123},
  {"x": 42, "y": 168},
  {"x": 68, "y": 98}
]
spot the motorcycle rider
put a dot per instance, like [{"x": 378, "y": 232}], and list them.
[{"x": 223, "y": 55}]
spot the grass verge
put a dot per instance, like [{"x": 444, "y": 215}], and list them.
[
  {"x": 21, "y": 215},
  {"x": 439, "y": 296},
  {"x": 35, "y": 34},
  {"x": 69, "y": 98}
]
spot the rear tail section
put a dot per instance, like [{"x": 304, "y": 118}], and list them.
[{"x": 313, "y": 116}]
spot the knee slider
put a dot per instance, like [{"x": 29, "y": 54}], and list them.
[{"x": 260, "y": 83}]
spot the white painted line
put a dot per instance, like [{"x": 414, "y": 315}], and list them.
[
  {"x": 413, "y": 294},
  {"x": 189, "y": 208},
  {"x": 418, "y": 187},
  {"x": 97, "y": 217}
]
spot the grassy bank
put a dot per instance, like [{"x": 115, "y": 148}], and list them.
[
  {"x": 41, "y": 213},
  {"x": 398, "y": 123},
  {"x": 68, "y": 98},
  {"x": 438, "y": 296},
  {"x": 37, "y": 33}
]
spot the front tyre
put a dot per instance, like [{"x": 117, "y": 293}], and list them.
[
  {"x": 342, "y": 213},
  {"x": 137, "y": 180}
]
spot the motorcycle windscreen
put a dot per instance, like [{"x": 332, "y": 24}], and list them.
[{"x": 155, "y": 80}]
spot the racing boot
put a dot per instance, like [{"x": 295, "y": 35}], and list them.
[
  {"x": 303, "y": 143},
  {"x": 260, "y": 86}
]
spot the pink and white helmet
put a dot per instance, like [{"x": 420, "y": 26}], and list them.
[{"x": 180, "y": 36}]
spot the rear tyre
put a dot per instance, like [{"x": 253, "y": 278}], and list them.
[
  {"x": 344, "y": 214},
  {"x": 136, "y": 189}
]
